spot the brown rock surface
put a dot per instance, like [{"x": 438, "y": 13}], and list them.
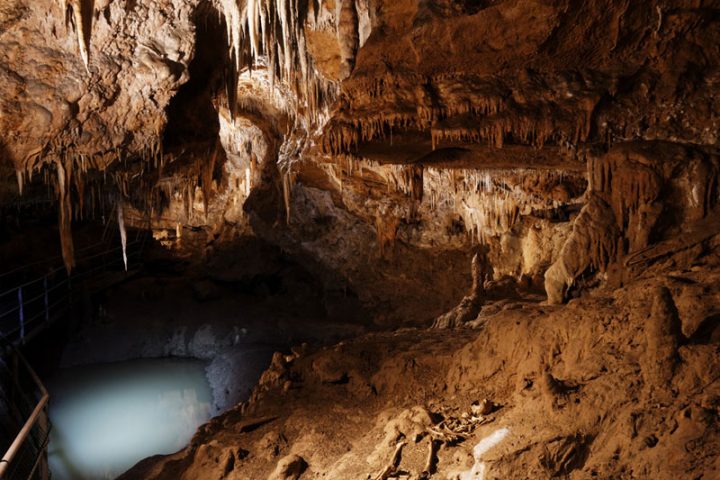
[
  {"x": 380, "y": 144},
  {"x": 603, "y": 387}
]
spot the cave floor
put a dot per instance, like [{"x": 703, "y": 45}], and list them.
[
  {"x": 602, "y": 387},
  {"x": 532, "y": 391}
]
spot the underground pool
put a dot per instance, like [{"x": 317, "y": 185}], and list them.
[{"x": 108, "y": 417}]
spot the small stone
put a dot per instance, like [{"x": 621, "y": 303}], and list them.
[{"x": 289, "y": 468}]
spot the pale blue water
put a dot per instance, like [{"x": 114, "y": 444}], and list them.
[{"x": 108, "y": 417}]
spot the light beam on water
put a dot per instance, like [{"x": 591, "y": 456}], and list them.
[{"x": 108, "y": 417}]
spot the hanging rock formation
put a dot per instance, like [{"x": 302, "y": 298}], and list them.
[
  {"x": 366, "y": 123},
  {"x": 348, "y": 37}
]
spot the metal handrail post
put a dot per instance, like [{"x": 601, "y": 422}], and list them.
[
  {"x": 21, "y": 314},
  {"x": 46, "y": 299}
]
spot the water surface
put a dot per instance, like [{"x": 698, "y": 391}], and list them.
[{"x": 108, "y": 417}]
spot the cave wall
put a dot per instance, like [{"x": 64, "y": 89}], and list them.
[
  {"x": 89, "y": 79},
  {"x": 384, "y": 142}
]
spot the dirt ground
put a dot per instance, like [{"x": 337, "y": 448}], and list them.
[{"x": 618, "y": 384}]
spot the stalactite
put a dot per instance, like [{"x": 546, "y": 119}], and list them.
[
  {"x": 231, "y": 10},
  {"x": 79, "y": 182},
  {"x": 207, "y": 169},
  {"x": 64, "y": 177},
  {"x": 20, "y": 174},
  {"x": 123, "y": 232},
  {"x": 348, "y": 36},
  {"x": 287, "y": 182},
  {"x": 73, "y": 9},
  {"x": 386, "y": 226}
]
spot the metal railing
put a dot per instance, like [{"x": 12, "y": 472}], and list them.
[
  {"x": 57, "y": 260},
  {"x": 28, "y": 307},
  {"x": 25, "y": 400},
  {"x": 25, "y": 309}
]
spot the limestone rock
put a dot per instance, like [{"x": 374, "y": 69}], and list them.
[
  {"x": 591, "y": 245},
  {"x": 289, "y": 468},
  {"x": 663, "y": 333}
]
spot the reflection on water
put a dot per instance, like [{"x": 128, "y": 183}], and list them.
[{"x": 108, "y": 417}]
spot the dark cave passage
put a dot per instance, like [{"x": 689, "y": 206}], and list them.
[{"x": 191, "y": 114}]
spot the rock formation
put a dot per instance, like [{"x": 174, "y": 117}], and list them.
[{"x": 381, "y": 144}]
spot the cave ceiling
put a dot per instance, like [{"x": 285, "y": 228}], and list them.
[{"x": 425, "y": 99}]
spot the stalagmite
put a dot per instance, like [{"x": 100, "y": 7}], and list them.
[
  {"x": 123, "y": 233},
  {"x": 663, "y": 333},
  {"x": 469, "y": 307}
]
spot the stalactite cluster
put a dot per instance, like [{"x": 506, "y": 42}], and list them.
[
  {"x": 489, "y": 202},
  {"x": 636, "y": 182},
  {"x": 274, "y": 30},
  {"x": 452, "y": 112},
  {"x": 638, "y": 194},
  {"x": 496, "y": 130},
  {"x": 345, "y": 136},
  {"x": 503, "y": 188}
]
